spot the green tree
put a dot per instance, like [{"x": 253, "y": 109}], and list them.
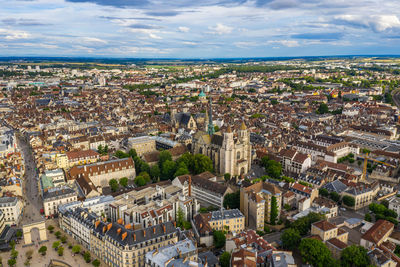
[
  {"x": 202, "y": 163},
  {"x": 87, "y": 257},
  {"x": 368, "y": 217},
  {"x": 225, "y": 259},
  {"x": 232, "y": 200},
  {"x": 165, "y": 155},
  {"x": 315, "y": 252},
  {"x": 323, "y": 108},
  {"x": 14, "y": 254},
  {"x": 188, "y": 160},
  {"x": 355, "y": 256},
  {"x": 113, "y": 183},
  {"x": 182, "y": 169},
  {"x": 18, "y": 234},
  {"x": 57, "y": 234},
  {"x": 155, "y": 172},
  {"x": 349, "y": 201},
  {"x": 219, "y": 239},
  {"x": 56, "y": 244},
  {"x": 132, "y": 153},
  {"x": 76, "y": 249},
  {"x": 96, "y": 263},
  {"x": 272, "y": 167},
  {"x": 100, "y": 149},
  {"x": 323, "y": 192},
  {"x": 42, "y": 250},
  {"x": 121, "y": 154},
  {"x": 274, "y": 210},
  {"x": 140, "y": 181},
  {"x": 123, "y": 181},
  {"x": 12, "y": 262},
  {"x": 168, "y": 170},
  {"x": 227, "y": 176},
  {"x": 334, "y": 196},
  {"x": 60, "y": 251},
  {"x": 291, "y": 239},
  {"x": 50, "y": 228},
  {"x": 180, "y": 217}
]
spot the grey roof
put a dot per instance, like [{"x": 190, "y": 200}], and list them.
[
  {"x": 226, "y": 214},
  {"x": 58, "y": 192},
  {"x": 217, "y": 139},
  {"x": 211, "y": 258},
  {"x": 336, "y": 186},
  {"x": 282, "y": 259}
]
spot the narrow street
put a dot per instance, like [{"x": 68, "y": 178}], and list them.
[{"x": 30, "y": 184}]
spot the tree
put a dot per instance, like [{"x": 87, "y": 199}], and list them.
[
  {"x": 96, "y": 263},
  {"x": 272, "y": 167},
  {"x": 113, "y": 183},
  {"x": 323, "y": 192},
  {"x": 225, "y": 259},
  {"x": 76, "y": 249},
  {"x": 323, "y": 108},
  {"x": 232, "y": 200},
  {"x": 155, "y": 172},
  {"x": 349, "y": 201},
  {"x": 60, "y": 251},
  {"x": 140, "y": 181},
  {"x": 202, "y": 163},
  {"x": 50, "y": 228},
  {"x": 42, "y": 250},
  {"x": 123, "y": 181},
  {"x": 63, "y": 239},
  {"x": 12, "y": 262},
  {"x": 334, "y": 196},
  {"x": 291, "y": 239},
  {"x": 180, "y": 217},
  {"x": 188, "y": 160},
  {"x": 56, "y": 244},
  {"x": 181, "y": 169},
  {"x": 168, "y": 170},
  {"x": 227, "y": 176},
  {"x": 274, "y": 210},
  {"x": 18, "y": 234},
  {"x": 87, "y": 257},
  {"x": 355, "y": 256},
  {"x": 120, "y": 154},
  {"x": 164, "y": 156},
  {"x": 219, "y": 239},
  {"x": 57, "y": 234},
  {"x": 100, "y": 149},
  {"x": 14, "y": 254},
  {"x": 368, "y": 217},
  {"x": 132, "y": 153},
  {"x": 314, "y": 252}
]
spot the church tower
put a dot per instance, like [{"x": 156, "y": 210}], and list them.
[
  {"x": 210, "y": 129},
  {"x": 227, "y": 152}
]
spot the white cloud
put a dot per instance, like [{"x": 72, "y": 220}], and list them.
[
  {"x": 13, "y": 34},
  {"x": 221, "y": 29},
  {"x": 183, "y": 29},
  {"x": 189, "y": 43},
  {"x": 287, "y": 43},
  {"x": 92, "y": 40},
  {"x": 378, "y": 23}
]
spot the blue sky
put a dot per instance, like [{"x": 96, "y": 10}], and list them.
[{"x": 198, "y": 29}]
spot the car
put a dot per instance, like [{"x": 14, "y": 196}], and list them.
[{"x": 343, "y": 209}]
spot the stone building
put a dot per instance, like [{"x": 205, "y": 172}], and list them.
[{"x": 230, "y": 151}]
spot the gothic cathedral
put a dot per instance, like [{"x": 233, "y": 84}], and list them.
[{"x": 230, "y": 151}]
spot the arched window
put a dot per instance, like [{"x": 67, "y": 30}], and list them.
[{"x": 238, "y": 155}]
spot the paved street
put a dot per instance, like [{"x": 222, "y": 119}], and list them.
[{"x": 30, "y": 184}]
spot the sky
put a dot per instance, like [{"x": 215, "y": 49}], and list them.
[{"x": 199, "y": 28}]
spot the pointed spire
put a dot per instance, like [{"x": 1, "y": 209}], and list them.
[{"x": 243, "y": 126}]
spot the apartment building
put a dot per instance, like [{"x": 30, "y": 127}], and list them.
[
  {"x": 151, "y": 206},
  {"x": 334, "y": 237},
  {"x": 98, "y": 205},
  {"x": 293, "y": 161},
  {"x": 182, "y": 254},
  {"x": 120, "y": 245},
  {"x": 377, "y": 234},
  {"x": 82, "y": 157},
  {"x": 101, "y": 173},
  {"x": 226, "y": 220},
  {"x": 142, "y": 144},
  {"x": 203, "y": 188},
  {"x": 53, "y": 197},
  {"x": 12, "y": 208},
  {"x": 362, "y": 193},
  {"x": 255, "y": 203}
]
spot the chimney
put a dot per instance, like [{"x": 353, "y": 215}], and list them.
[
  {"x": 174, "y": 223},
  {"x": 134, "y": 237},
  {"x": 154, "y": 230},
  {"x": 120, "y": 221},
  {"x": 109, "y": 226},
  {"x": 104, "y": 229},
  {"x": 96, "y": 224},
  {"x": 124, "y": 235},
  {"x": 190, "y": 185},
  {"x": 128, "y": 226},
  {"x": 164, "y": 229},
  {"x": 144, "y": 233},
  {"x": 118, "y": 231},
  {"x": 201, "y": 225}
]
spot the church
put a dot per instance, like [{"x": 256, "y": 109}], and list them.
[{"x": 230, "y": 151}]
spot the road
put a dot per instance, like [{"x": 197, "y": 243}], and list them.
[
  {"x": 273, "y": 237},
  {"x": 33, "y": 201},
  {"x": 396, "y": 97}
]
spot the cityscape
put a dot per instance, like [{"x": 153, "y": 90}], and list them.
[{"x": 216, "y": 133}]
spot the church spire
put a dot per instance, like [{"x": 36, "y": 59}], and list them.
[{"x": 211, "y": 129}]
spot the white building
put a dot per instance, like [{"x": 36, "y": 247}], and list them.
[
  {"x": 56, "y": 196},
  {"x": 12, "y": 209}
]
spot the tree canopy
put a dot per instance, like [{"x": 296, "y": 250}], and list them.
[
  {"x": 232, "y": 200},
  {"x": 219, "y": 239},
  {"x": 315, "y": 252},
  {"x": 353, "y": 256},
  {"x": 291, "y": 238}
]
